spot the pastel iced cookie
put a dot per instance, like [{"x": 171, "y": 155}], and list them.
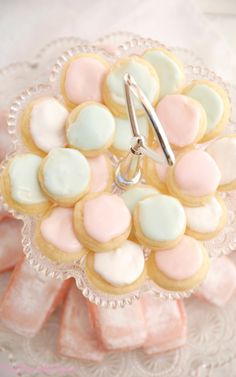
[
  {"x": 207, "y": 221},
  {"x": 20, "y": 186},
  {"x": 82, "y": 79},
  {"x": 183, "y": 119},
  {"x": 136, "y": 193},
  {"x": 65, "y": 176},
  {"x": 223, "y": 151},
  {"x": 102, "y": 221},
  {"x": 194, "y": 178},
  {"x": 123, "y": 134},
  {"x": 117, "y": 271},
  {"x": 159, "y": 221},
  {"x": 43, "y": 125},
  {"x": 55, "y": 236},
  {"x": 101, "y": 173},
  {"x": 216, "y": 103},
  {"x": 180, "y": 268},
  {"x": 168, "y": 68},
  {"x": 113, "y": 87},
  {"x": 90, "y": 128}
]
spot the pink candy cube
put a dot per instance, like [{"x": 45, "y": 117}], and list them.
[
  {"x": 77, "y": 337},
  {"x": 166, "y": 324},
  {"x": 10, "y": 243},
  {"x": 30, "y": 299},
  {"x": 121, "y": 328},
  {"x": 220, "y": 283}
]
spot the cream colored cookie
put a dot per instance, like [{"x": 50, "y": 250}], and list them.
[
  {"x": 102, "y": 221},
  {"x": 180, "y": 268},
  {"x": 90, "y": 128},
  {"x": 113, "y": 85},
  {"x": 20, "y": 187},
  {"x": 216, "y": 103}
]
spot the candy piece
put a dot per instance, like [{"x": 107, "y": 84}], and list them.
[
  {"x": 77, "y": 337},
  {"x": 5, "y": 139},
  {"x": 165, "y": 322},
  {"x": 220, "y": 283},
  {"x": 120, "y": 328},
  {"x": 168, "y": 68},
  {"x": 223, "y": 151},
  {"x": 30, "y": 299},
  {"x": 10, "y": 243}
]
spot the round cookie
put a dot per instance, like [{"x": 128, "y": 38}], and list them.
[
  {"x": 113, "y": 86},
  {"x": 168, "y": 68},
  {"x": 159, "y": 221},
  {"x": 65, "y": 176},
  {"x": 136, "y": 193},
  {"x": 102, "y": 221},
  {"x": 117, "y": 271},
  {"x": 20, "y": 187},
  {"x": 123, "y": 134},
  {"x": 194, "y": 178},
  {"x": 90, "y": 128},
  {"x": 180, "y": 268},
  {"x": 82, "y": 79},
  {"x": 183, "y": 120},
  {"x": 43, "y": 125},
  {"x": 56, "y": 238},
  {"x": 216, "y": 103},
  {"x": 223, "y": 151},
  {"x": 205, "y": 222},
  {"x": 102, "y": 174}
]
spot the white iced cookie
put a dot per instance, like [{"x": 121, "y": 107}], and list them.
[
  {"x": 207, "y": 221},
  {"x": 118, "y": 270},
  {"x": 215, "y": 102},
  {"x": 65, "y": 175},
  {"x": 113, "y": 87},
  {"x": 168, "y": 68},
  {"x": 43, "y": 125},
  {"x": 159, "y": 221},
  {"x": 133, "y": 195},
  {"x": 20, "y": 186},
  {"x": 90, "y": 128},
  {"x": 123, "y": 134},
  {"x": 223, "y": 152}
]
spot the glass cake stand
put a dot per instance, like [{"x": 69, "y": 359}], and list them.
[{"x": 211, "y": 345}]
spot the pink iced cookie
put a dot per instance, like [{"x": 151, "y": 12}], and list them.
[
  {"x": 220, "y": 282},
  {"x": 101, "y": 173},
  {"x": 183, "y": 120},
  {"x": 77, "y": 337},
  {"x": 10, "y": 243},
  {"x": 165, "y": 322},
  {"x": 30, "y": 299},
  {"x": 5, "y": 139},
  {"x": 83, "y": 78},
  {"x": 120, "y": 329}
]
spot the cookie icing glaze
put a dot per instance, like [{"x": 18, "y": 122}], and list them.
[
  {"x": 47, "y": 122},
  {"x": 106, "y": 217},
  {"x": 182, "y": 261},
  {"x": 161, "y": 218},
  {"x": 132, "y": 196},
  {"x": 58, "y": 229},
  {"x": 180, "y": 118},
  {"x": 223, "y": 152},
  {"x": 121, "y": 266},
  {"x": 161, "y": 169},
  {"x": 84, "y": 77},
  {"x": 123, "y": 132},
  {"x": 23, "y": 174},
  {"x": 170, "y": 74},
  {"x": 144, "y": 77},
  {"x": 100, "y": 173},
  {"x": 92, "y": 129},
  {"x": 196, "y": 173},
  {"x": 211, "y": 101},
  {"x": 66, "y": 172},
  {"x": 204, "y": 219}
]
